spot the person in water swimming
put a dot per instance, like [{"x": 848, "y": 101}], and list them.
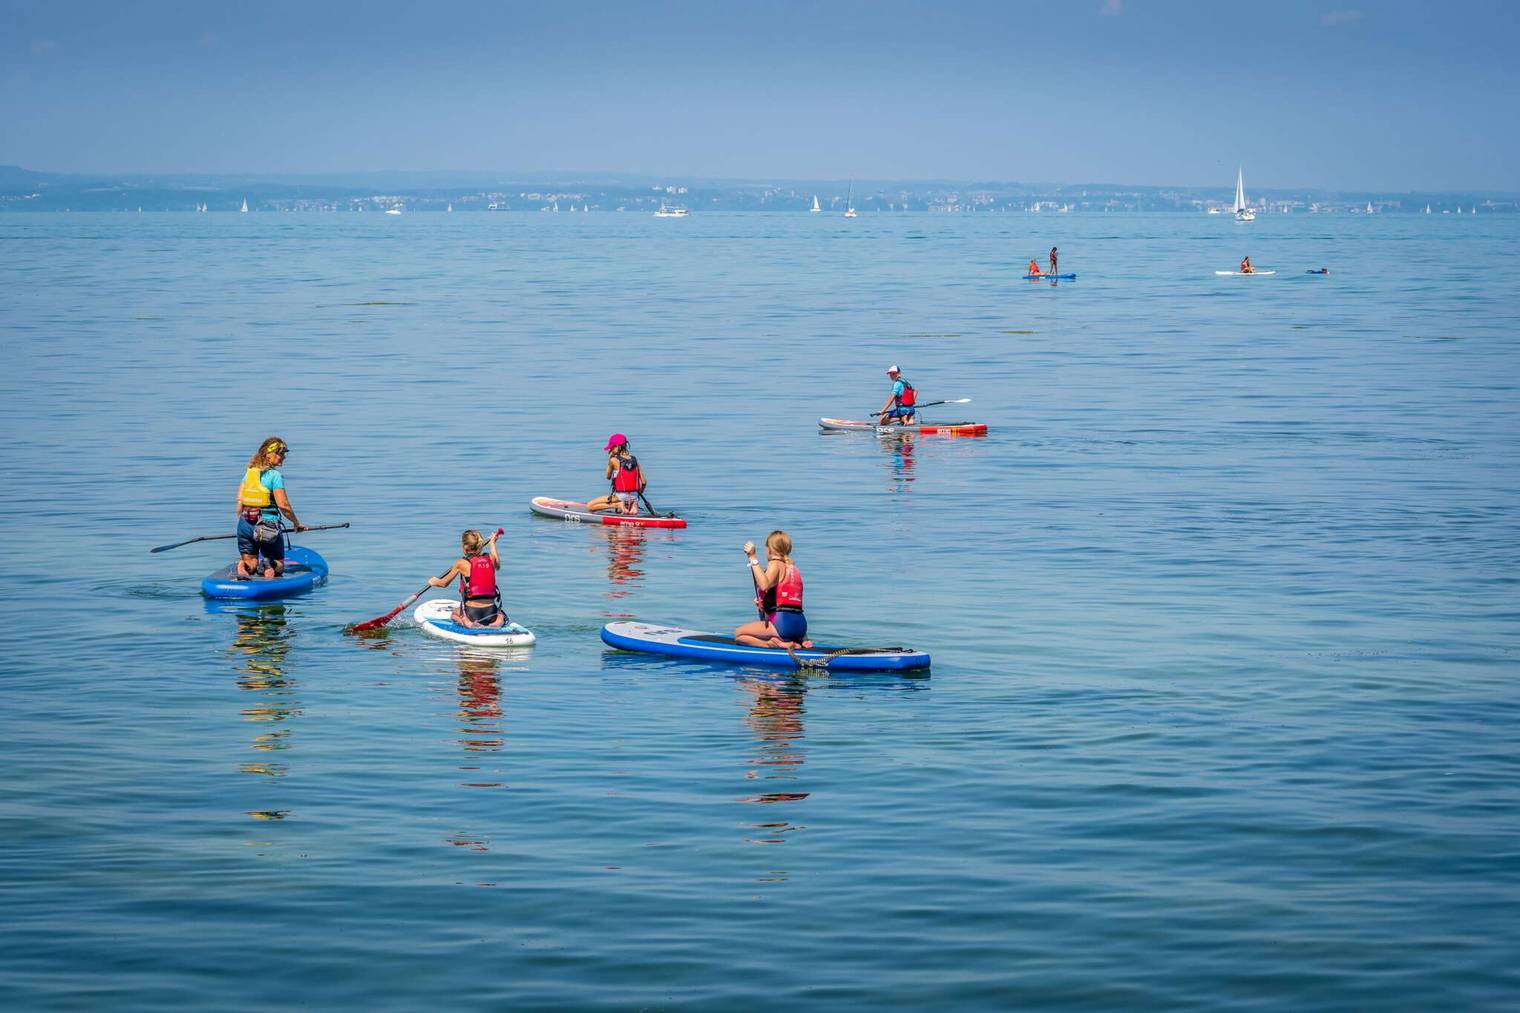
[
  {"x": 261, "y": 499},
  {"x": 479, "y": 593},
  {"x": 626, "y": 476},
  {"x": 1052, "y": 260},
  {"x": 1323, "y": 270},
  {"x": 900, "y": 405},
  {"x": 1034, "y": 268},
  {"x": 1245, "y": 266},
  {"x": 778, "y": 596}
]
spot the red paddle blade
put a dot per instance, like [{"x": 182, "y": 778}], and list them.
[{"x": 375, "y": 624}]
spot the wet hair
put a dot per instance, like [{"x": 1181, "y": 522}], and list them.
[
  {"x": 263, "y": 458},
  {"x": 471, "y": 542},
  {"x": 778, "y": 545}
]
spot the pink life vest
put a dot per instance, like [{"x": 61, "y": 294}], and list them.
[
  {"x": 482, "y": 579},
  {"x": 627, "y": 477},
  {"x": 789, "y": 589}
]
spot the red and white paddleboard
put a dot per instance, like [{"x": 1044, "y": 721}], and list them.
[
  {"x": 576, "y": 513},
  {"x": 942, "y": 429}
]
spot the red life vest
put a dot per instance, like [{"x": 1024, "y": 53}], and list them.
[
  {"x": 789, "y": 589},
  {"x": 909, "y": 396},
  {"x": 627, "y": 478},
  {"x": 482, "y": 579}
]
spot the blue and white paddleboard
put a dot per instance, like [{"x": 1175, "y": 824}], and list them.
[
  {"x": 678, "y": 643},
  {"x": 304, "y": 570},
  {"x": 1052, "y": 277},
  {"x": 437, "y": 617}
]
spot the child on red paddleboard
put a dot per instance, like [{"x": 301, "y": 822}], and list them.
[
  {"x": 627, "y": 478},
  {"x": 778, "y": 596}
]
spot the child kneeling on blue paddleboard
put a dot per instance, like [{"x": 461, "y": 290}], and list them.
[
  {"x": 479, "y": 594},
  {"x": 778, "y": 597}
]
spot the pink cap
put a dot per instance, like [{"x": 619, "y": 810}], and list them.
[{"x": 615, "y": 440}]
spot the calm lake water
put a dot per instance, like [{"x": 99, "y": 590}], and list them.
[{"x": 1223, "y": 614}]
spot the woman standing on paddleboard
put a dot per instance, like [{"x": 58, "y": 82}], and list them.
[
  {"x": 778, "y": 596},
  {"x": 479, "y": 594},
  {"x": 627, "y": 478},
  {"x": 261, "y": 499}
]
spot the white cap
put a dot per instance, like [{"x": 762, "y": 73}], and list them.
[{"x": 893, "y": 368}]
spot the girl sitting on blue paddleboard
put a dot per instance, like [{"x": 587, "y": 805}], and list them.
[
  {"x": 626, "y": 476},
  {"x": 479, "y": 594},
  {"x": 261, "y": 499},
  {"x": 778, "y": 596}
]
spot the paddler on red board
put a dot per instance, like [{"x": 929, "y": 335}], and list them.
[
  {"x": 627, "y": 478},
  {"x": 778, "y": 597},
  {"x": 479, "y": 593},
  {"x": 899, "y": 407}
]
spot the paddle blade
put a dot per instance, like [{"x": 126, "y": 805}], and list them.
[{"x": 376, "y": 623}]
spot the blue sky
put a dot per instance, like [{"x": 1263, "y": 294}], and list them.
[{"x": 1341, "y": 94}]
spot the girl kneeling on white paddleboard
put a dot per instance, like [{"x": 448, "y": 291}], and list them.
[
  {"x": 479, "y": 594},
  {"x": 778, "y": 596}
]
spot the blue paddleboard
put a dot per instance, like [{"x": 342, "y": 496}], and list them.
[
  {"x": 1052, "y": 277},
  {"x": 304, "y": 570},
  {"x": 678, "y": 643}
]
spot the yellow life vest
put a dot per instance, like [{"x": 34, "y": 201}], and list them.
[{"x": 252, "y": 493}]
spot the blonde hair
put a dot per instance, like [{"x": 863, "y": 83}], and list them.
[
  {"x": 471, "y": 542},
  {"x": 778, "y": 545},
  {"x": 261, "y": 457}
]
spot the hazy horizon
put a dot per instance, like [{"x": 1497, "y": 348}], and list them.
[{"x": 1397, "y": 96}]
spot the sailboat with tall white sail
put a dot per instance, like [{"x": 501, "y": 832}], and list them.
[
  {"x": 1427, "y": 209},
  {"x": 816, "y": 208},
  {"x": 244, "y": 208},
  {"x": 849, "y": 202},
  {"x": 1242, "y": 212}
]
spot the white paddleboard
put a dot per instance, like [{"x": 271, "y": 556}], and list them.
[
  {"x": 1237, "y": 274},
  {"x": 437, "y": 617}
]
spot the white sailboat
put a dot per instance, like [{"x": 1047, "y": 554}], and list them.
[
  {"x": 1242, "y": 213},
  {"x": 451, "y": 207},
  {"x": 393, "y": 210},
  {"x": 244, "y": 208},
  {"x": 849, "y": 202},
  {"x": 1369, "y": 208},
  {"x": 1427, "y": 209},
  {"x": 816, "y": 208},
  {"x": 670, "y": 211}
]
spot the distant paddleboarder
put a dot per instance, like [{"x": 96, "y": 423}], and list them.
[
  {"x": 900, "y": 405},
  {"x": 1052, "y": 260},
  {"x": 626, "y": 476},
  {"x": 1245, "y": 266},
  {"x": 1034, "y": 268}
]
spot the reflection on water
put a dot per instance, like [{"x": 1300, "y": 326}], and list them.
[
  {"x": 480, "y": 729},
  {"x": 775, "y": 716},
  {"x": 900, "y": 446},
  {"x": 479, "y": 702},
  {"x": 260, "y": 647},
  {"x": 625, "y": 557}
]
